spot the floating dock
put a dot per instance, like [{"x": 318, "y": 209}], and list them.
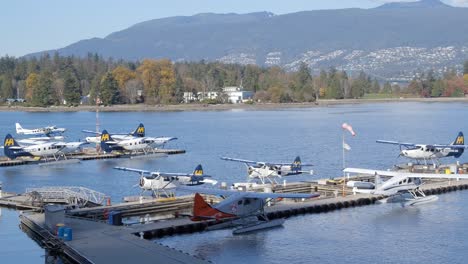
[
  {"x": 90, "y": 156},
  {"x": 101, "y": 232}
]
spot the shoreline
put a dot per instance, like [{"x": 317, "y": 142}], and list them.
[{"x": 224, "y": 107}]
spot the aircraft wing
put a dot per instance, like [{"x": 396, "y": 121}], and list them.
[
  {"x": 402, "y": 175},
  {"x": 91, "y": 132},
  {"x": 396, "y": 143},
  {"x": 31, "y": 141},
  {"x": 288, "y": 164},
  {"x": 451, "y": 146},
  {"x": 242, "y": 160},
  {"x": 133, "y": 170},
  {"x": 247, "y": 194}
]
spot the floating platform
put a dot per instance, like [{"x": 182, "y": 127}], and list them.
[
  {"x": 90, "y": 156},
  {"x": 92, "y": 235},
  {"x": 96, "y": 242}
]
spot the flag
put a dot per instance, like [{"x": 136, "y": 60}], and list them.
[
  {"x": 345, "y": 126},
  {"x": 346, "y": 146}
]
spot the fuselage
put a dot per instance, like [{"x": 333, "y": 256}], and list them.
[
  {"x": 241, "y": 207},
  {"x": 46, "y": 149},
  {"x": 392, "y": 187},
  {"x": 264, "y": 171},
  {"x": 425, "y": 152}
]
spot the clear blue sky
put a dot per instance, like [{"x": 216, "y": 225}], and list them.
[{"x": 34, "y": 25}]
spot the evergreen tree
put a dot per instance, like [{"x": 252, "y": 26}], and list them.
[
  {"x": 375, "y": 87},
  {"x": 42, "y": 92},
  {"x": 109, "y": 89},
  {"x": 387, "y": 88},
  {"x": 7, "y": 90},
  {"x": 71, "y": 92}
]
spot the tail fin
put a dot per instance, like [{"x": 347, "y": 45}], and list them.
[
  {"x": 139, "y": 131},
  {"x": 203, "y": 211},
  {"x": 19, "y": 129},
  {"x": 105, "y": 137},
  {"x": 198, "y": 170},
  {"x": 296, "y": 165},
  {"x": 460, "y": 140},
  {"x": 7, "y": 144}
]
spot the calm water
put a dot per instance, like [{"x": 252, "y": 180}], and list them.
[{"x": 383, "y": 234}]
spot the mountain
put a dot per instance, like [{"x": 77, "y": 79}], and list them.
[
  {"x": 352, "y": 39},
  {"x": 415, "y": 4}
]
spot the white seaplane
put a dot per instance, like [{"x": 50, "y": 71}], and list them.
[
  {"x": 431, "y": 152},
  {"x": 401, "y": 187},
  {"x": 39, "y": 149},
  {"x": 165, "y": 182},
  {"x": 45, "y": 131},
  {"x": 244, "y": 210},
  {"x": 268, "y": 171}
]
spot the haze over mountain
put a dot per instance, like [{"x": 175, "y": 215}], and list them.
[{"x": 386, "y": 40}]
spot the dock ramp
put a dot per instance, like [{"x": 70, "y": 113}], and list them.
[{"x": 72, "y": 195}]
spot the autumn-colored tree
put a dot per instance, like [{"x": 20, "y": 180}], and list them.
[
  {"x": 122, "y": 75},
  {"x": 158, "y": 79},
  {"x": 31, "y": 84}
]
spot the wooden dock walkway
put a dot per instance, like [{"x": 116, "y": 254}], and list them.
[
  {"x": 98, "y": 242},
  {"x": 95, "y": 242},
  {"x": 94, "y": 156}
]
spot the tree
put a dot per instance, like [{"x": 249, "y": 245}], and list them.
[
  {"x": 438, "y": 88},
  {"x": 375, "y": 87},
  {"x": 158, "y": 80},
  {"x": 109, "y": 89},
  {"x": 42, "y": 91},
  {"x": 31, "y": 84},
  {"x": 7, "y": 90},
  {"x": 131, "y": 90},
  {"x": 465, "y": 67},
  {"x": 122, "y": 75},
  {"x": 387, "y": 88},
  {"x": 71, "y": 93}
]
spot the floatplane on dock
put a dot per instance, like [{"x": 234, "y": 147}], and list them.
[
  {"x": 401, "y": 187},
  {"x": 243, "y": 210},
  {"x": 166, "y": 182},
  {"x": 47, "y": 152},
  {"x": 430, "y": 152},
  {"x": 269, "y": 171}
]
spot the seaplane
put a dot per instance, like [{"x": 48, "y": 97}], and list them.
[
  {"x": 44, "y": 150},
  {"x": 165, "y": 182},
  {"x": 431, "y": 152},
  {"x": 268, "y": 171},
  {"x": 401, "y": 187},
  {"x": 45, "y": 131},
  {"x": 133, "y": 145},
  {"x": 139, "y": 132},
  {"x": 242, "y": 210}
]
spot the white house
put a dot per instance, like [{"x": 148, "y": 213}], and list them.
[
  {"x": 237, "y": 95},
  {"x": 234, "y": 95}
]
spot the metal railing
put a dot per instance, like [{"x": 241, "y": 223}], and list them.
[{"x": 70, "y": 194}]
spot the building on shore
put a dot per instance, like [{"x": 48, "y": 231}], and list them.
[{"x": 232, "y": 94}]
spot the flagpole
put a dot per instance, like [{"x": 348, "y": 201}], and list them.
[{"x": 344, "y": 163}]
